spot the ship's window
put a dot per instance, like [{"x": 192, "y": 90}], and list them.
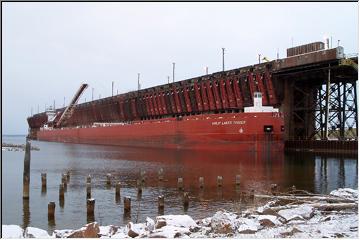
[{"x": 268, "y": 128}]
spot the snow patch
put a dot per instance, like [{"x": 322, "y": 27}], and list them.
[
  {"x": 223, "y": 222},
  {"x": 169, "y": 232},
  {"x": 178, "y": 220},
  {"x": 248, "y": 226},
  {"x": 107, "y": 231},
  {"x": 62, "y": 233},
  {"x": 31, "y": 232},
  {"x": 150, "y": 224},
  {"x": 297, "y": 213},
  {"x": 135, "y": 229},
  {"x": 346, "y": 193},
  {"x": 12, "y": 231}
]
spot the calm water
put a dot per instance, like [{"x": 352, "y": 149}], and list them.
[{"x": 314, "y": 173}]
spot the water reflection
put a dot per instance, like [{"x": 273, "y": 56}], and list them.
[
  {"x": 51, "y": 215},
  {"x": 189, "y": 165},
  {"x": 26, "y": 213},
  {"x": 257, "y": 172},
  {"x": 43, "y": 191},
  {"x": 334, "y": 172},
  {"x": 118, "y": 199},
  {"x": 126, "y": 217}
]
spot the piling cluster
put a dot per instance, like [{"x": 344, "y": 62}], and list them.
[{"x": 90, "y": 202}]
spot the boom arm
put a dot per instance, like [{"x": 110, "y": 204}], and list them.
[{"x": 70, "y": 109}]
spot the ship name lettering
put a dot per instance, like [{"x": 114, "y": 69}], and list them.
[
  {"x": 239, "y": 122},
  {"x": 227, "y": 123}
]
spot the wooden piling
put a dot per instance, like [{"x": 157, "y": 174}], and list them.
[
  {"x": 117, "y": 190},
  {"x": 201, "y": 182},
  {"x": 219, "y": 181},
  {"x": 26, "y": 174},
  {"x": 237, "y": 180},
  {"x": 142, "y": 176},
  {"x": 180, "y": 184},
  {"x": 242, "y": 196},
  {"x": 161, "y": 174},
  {"x": 51, "y": 211},
  {"x": 108, "y": 179},
  {"x": 90, "y": 206},
  {"x": 273, "y": 188},
  {"x": 127, "y": 204},
  {"x": 161, "y": 203},
  {"x": 43, "y": 182},
  {"x": 61, "y": 195},
  {"x": 64, "y": 176},
  {"x": 64, "y": 181},
  {"x": 68, "y": 176},
  {"x": 139, "y": 186},
  {"x": 252, "y": 194},
  {"x": 88, "y": 179},
  {"x": 186, "y": 199},
  {"x": 61, "y": 191},
  {"x": 88, "y": 190}
]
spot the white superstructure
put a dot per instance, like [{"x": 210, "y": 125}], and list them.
[{"x": 258, "y": 107}]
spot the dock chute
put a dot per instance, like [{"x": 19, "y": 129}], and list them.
[{"x": 70, "y": 109}]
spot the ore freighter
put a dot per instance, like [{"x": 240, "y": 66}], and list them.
[{"x": 229, "y": 110}]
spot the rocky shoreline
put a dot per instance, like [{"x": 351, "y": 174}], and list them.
[
  {"x": 295, "y": 215},
  {"x": 16, "y": 147}
]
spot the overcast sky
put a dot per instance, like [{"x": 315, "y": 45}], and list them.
[{"x": 49, "y": 49}]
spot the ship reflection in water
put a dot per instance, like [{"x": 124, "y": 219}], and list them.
[
  {"x": 257, "y": 172},
  {"x": 255, "y": 168}
]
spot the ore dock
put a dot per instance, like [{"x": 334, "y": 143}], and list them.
[{"x": 314, "y": 87}]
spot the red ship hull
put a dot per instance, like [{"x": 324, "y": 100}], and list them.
[{"x": 230, "y": 131}]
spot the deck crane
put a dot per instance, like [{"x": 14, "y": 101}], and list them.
[{"x": 70, "y": 109}]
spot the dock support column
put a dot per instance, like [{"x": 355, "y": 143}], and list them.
[
  {"x": 287, "y": 107},
  {"x": 343, "y": 113},
  {"x": 356, "y": 112},
  {"x": 327, "y": 98}
]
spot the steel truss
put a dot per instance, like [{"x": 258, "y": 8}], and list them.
[
  {"x": 342, "y": 112},
  {"x": 309, "y": 117}
]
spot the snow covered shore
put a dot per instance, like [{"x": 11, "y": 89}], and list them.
[{"x": 291, "y": 215}]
